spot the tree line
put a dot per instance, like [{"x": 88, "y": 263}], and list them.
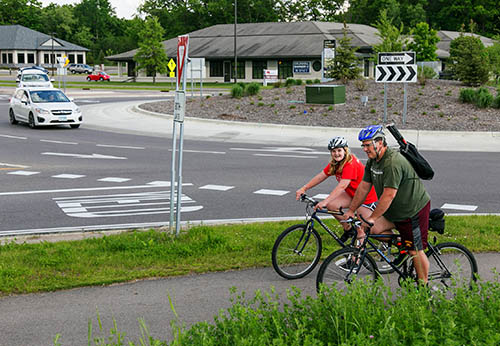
[{"x": 93, "y": 23}]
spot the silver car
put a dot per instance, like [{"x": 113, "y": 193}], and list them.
[
  {"x": 34, "y": 78},
  {"x": 43, "y": 107}
]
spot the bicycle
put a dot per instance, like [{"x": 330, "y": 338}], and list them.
[
  {"x": 297, "y": 250},
  {"x": 449, "y": 263}
]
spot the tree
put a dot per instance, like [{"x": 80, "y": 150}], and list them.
[
  {"x": 391, "y": 36},
  {"x": 22, "y": 12},
  {"x": 469, "y": 60},
  {"x": 424, "y": 42},
  {"x": 494, "y": 58},
  {"x": 151, "y": 55},
  {"x": 345, "y": 65},
  {"x": 59, "y": 20}
]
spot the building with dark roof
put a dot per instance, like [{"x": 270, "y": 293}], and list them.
[
  {"x": 21, "y": 46},
  {"x": 294, "y": 49}
]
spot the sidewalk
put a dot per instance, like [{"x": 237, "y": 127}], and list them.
[{"x": 127, "y": 117}]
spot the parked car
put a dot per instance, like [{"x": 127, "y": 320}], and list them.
[
  {"x": 43, "y": 107},
  {"x": 99, "y": 76},
  {"x": 80, "y": 68},
  {"x": 34, "y": 78}
]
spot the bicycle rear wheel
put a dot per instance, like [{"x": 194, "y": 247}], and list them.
[
  {"x": 296, "y": 252},
  {"x": 451, "y": 265},
  {"x": 343, "y": 266}
]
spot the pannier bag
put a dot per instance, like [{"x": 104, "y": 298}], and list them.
[
  {"x": 436, "y": 220},
  {"x": 410, "y": 152}
]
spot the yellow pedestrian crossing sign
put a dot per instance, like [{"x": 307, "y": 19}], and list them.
[{"x": 171, "y": 66}]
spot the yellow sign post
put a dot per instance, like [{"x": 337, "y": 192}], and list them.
[{"x": 171, "y": 66}]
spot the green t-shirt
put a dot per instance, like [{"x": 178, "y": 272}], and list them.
[{"x": 394, "y": 171}]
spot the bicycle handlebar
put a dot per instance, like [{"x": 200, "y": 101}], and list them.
[{"x": 305, "y": 198}]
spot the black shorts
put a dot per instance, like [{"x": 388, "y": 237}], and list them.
[{"x": 414, "y": 230}]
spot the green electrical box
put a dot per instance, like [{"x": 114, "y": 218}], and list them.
[{"x": 325, "y": 94}]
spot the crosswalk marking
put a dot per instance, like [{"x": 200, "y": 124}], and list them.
[
  {"x": 68, "y": 176},
  {"x": 23, "y": 173},
  {"x": 459, "y": 207},
  {"x": 271, "y": 192},
  {"x": 114, "y": 179},
  {"x": 216, "y": 187},
  {"x": 320, "y": 196}
]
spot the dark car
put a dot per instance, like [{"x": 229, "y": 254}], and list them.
[{"x": 99, "y": 76}]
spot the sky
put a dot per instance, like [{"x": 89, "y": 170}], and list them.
[{"x": 123, "y": 8}]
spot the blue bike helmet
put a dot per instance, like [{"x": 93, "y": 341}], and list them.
[{"x": 371, "y": 132}]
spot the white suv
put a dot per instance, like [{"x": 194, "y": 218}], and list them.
[
  {"x": 31, "y": 78},
  {"x": 42, "y": 107}
]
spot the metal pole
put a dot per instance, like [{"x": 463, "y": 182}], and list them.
[
  {"x": 52, "y": 58},
  {"x": 179, "y": 181},
  {"x": 405, "y": 106},
  {"x": 192, "y": 83},
  {"x": 172, "y": 179},
  {"x": 385, "y": 103},
  {"x": 235, "y": 54}
]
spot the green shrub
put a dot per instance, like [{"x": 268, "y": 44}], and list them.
[
  {"x": 309, "y": 81},
  {"x": 360, "y": 84},
  {"x": 496, "y": 101},
  {"x": 242, "y": 85},
  {"x": 467, "y": 95},
  {"x": 277, "y": 84},
  {"x": 236, "y": 91},
  {"x": 253, "y": 88},
  {"x": 483, "y": 98},
  {"x": 317, "y": 81},
  {"x": 299, "y": 82},
  {"x": 290, "y": 82}
]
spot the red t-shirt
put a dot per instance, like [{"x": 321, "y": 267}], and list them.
[{"x": 353, "y": 171}]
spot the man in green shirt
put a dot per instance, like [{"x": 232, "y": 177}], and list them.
[{"x": 403, "y": 202}]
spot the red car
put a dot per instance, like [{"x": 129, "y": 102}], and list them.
[{"x": 99, "y": 76}]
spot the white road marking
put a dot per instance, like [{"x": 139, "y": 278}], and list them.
[
  {"x": 87, "y": 101},
  {"x": 68, "y": 176},
  {"x": 293, "y": 156},
  {"x": 271, "y": 192},
  {"x": 161, "y": 183},
  {"x": 320, "y": 196},
  {"x": 57, "y": 142},
  {"x": 86, "y": 156},
  {"x": 12, "y": 165},
  {"x": 201, "y": 151},
  {"x": 121, "y": 204},
  {"x": 14, "y": 193},
  {"x": 114, "y": 179},
  {"x": 216, "y": 187},
  {"x": 119, "y": 146},
  {"x": 23, "y": 173},
  {"x": 459, "y": 207},
  {"x": 295, "y": 150},
  {"x": 15, "y": 137}
]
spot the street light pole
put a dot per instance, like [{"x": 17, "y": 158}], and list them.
[
  {"x": 235, "y": 54},
  {"x": 52, "y": 58}
]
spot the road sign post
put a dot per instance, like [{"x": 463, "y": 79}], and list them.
[
  {"x": 396, "y": 67},
  {"x": 179, "y": 109}
]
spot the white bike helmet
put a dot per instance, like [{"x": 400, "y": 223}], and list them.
[{"x": 337, "y": 142}]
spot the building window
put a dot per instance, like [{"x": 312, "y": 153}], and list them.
[
  {"x": 317, "y": 65},
  {"x": 258, "y": 67},
  {"x": 366, "y": 68},
  {"x": 31, "y": 58},
  {"x": 79, "y": 59},
  {"x": 10, "y": 58},
  {"x": 71, "y": 58},
  {"x": 285, "y": 69},
  {"x": 240, "y": 72},
  {"x": 4, "y": 58},
  {"x": 216, "y": 69},
  {"x": 46, "y": 58},
  {"x": 20, "y": 58}
]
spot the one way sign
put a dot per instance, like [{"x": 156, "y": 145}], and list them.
[
  {"x": 396, "y": 74},
  {"x": 396, "y": 58}
]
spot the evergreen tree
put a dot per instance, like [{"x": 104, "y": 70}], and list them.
[
  {"x": 469, "y": 60},
  {"x": 391, "y": 36},
  {"x": 424, "y": 42},
  {"x": 151, "y": 54},
  {"x": 345, "y": 65},
  {"x": 494, "y": 57}
]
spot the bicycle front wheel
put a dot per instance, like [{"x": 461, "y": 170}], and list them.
[
  {"x": 345, "y": 265},
  {"x": 450, "y": 265},
  {"x": 296, "y": 252}
]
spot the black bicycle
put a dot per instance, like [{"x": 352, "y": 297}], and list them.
[
  {"x": 451, "y": 264},
  {"x": 297, "y": 250}
]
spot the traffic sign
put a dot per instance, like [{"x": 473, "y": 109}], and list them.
[
  {"x": 396, "y": 74},
  {"x": 171, "y": 65},
  {"x": 182, "y": 53},
  {"x": 397, "y": 58}
]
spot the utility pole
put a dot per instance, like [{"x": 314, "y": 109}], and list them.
[
  {"x": 52, "y": 58},
  {"x": 235, "y": 54}
]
